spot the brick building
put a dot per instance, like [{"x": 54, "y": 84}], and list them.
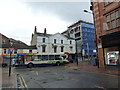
[{"x": 107, "y": 24}]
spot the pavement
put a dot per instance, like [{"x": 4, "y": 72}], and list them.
[
  {"x": 6, "y": 80},
  {"x": 11, "y": 82},
  {"x": 88, "y": 66}
]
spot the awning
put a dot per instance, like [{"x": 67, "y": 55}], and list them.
[
  {"x": 21, "y": 54},
  {"x": 111, "y": 39}
]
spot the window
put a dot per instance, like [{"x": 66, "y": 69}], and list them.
[
  {"x": 62, "y": 49},
  {"x": 71, "y": 31},
  {"x": 4, "y": 51},
  {"x": 70, "y": 42},
  {"x": 77, "y": 35},
  {"x": 3, "y": 41},
  {"x": 43, "y": 48},
  {"x": 71, "y": 48},
  {"x": 113, "y": 24},
  {"x": 108, "y": 18},
  {"x": 113, "y": 20},
  {"x": 61, "y": 41},
  {"x": 43, "y": 40},
  {"x": 55, "y": 49},
  {"x": 112, "y": 16},
  {"x": 117, "y": 14},
  {"x": 54, "y": 40},
  {"x": 30, "y": 51}
]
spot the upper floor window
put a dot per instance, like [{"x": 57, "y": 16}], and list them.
[
  {"x": 72, "y": 31},
  {"x": 54, "y": 40},
  {"x": 112, "y": 19},
  {"x": 61, "y": 41},
  {"x": 70, "y": 42},
  {"x": 3, "y": 41},
  {"x": 43, "y": 40},
  {"x": 62, "y": 49}
]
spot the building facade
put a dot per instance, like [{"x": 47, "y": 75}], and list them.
[
  {"x": 53, "y": 43},
  {"x": 19, "y": 47},
  {"x": 107, "y": 27},
  {"x": 84, "y": 35}
]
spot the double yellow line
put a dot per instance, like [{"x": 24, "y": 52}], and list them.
[{"x": 22, "y": 82}]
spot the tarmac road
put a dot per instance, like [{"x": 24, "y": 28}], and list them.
[{"x": 61, "y": 77}]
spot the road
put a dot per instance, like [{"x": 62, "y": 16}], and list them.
[{"x": 61, "y": 77}]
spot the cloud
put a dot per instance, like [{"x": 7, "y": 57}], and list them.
[{"x": 17, "y": 19}]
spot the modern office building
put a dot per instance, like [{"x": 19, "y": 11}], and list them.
[
  {"x": 107, "y": 27},
  {"x": 84, "y": 35}
]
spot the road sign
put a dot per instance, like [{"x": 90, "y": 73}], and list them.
[{"x": 10, "y": 49}]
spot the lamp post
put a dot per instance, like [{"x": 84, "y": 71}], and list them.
[{"x": 11, "y": 49}]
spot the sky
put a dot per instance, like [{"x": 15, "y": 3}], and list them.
[{"x": 19, "y": 17}]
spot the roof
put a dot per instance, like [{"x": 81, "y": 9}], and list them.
[
  {"x": 42, "y": 34},
  {"x": 80, "y": 21},
  {"x": 18, "y": 46}
]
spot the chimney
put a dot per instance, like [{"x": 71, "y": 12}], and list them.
[
  {"x": 35, "y": 30},
  {"x": 45, "y": 31}
]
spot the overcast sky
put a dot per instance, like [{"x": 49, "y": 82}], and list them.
[{"x": 18, "y": 19}]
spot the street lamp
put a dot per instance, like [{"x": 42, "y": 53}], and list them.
[{"x": 87, "y": 11}]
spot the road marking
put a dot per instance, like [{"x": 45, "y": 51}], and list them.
[
  {"x": 22, "y": 80},
  {"x": 36, "y": 72},
  {"x": 100, "y": 87}
]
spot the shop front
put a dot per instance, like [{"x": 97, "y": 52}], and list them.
[{"x": 111, "y": 48}]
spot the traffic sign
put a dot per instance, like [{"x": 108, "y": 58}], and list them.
[{"x": 10, "y": 49}]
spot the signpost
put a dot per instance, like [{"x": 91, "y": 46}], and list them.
[{"x": 11, "y": 50}]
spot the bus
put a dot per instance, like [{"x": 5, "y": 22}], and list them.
[{"x": 31, "y": 59}]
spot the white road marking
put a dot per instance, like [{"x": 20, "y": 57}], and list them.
[{"x": 36, "y": 72}]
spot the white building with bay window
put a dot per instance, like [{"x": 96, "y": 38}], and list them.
[{"x": 53, "y": 43}]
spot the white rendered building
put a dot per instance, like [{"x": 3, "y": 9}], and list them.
[{"x": 53, "y": 43}]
